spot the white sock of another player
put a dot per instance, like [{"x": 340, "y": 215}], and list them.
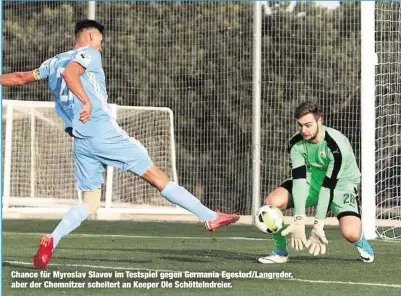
[
  {"x": 180, "y": 196},
  {"x": 71, "y": 220}
]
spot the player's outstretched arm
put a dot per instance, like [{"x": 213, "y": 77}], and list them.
[
  {"x": 300, "y": 187},
  {"x": 18, "y": 78},
  {"x": 300, "y": 193},
  {"x": 317, "y": 241}
]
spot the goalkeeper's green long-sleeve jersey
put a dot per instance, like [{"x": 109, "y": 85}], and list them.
[{"x": 324, "y": 166}]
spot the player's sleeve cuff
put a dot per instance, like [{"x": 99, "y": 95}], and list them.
[
  {"x": 299, "y": 172},
  {"x": 36, "y": 74},
  {"x": 329, "y": 183}
]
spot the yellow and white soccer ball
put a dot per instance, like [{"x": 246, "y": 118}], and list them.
[{"x": 269, "y": 219}]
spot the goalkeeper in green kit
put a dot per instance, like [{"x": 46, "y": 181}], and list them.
[{"x": 324, "y": 174}]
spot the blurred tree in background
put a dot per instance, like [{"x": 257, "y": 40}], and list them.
[{"x": 196, "y": 58}]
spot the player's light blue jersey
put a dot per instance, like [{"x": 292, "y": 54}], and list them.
[{"x": 67, "y": 105}]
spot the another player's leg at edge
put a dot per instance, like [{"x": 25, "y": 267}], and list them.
[
  {"x": 170, "y": 190},
  {"x": 350, "y": 227}
]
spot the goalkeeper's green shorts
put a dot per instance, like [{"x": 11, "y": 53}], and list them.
[{"x": 345, "y": 201}]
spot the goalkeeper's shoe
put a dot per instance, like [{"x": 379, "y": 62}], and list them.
[
  {"x": 44, "y": 253},
  {"x": 366, "y": 253},
  {"x": 274, "y": 257},
  {"x": 221, "y": 220}
]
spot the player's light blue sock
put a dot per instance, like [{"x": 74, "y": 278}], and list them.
[
  {"x": 180, "y": 196},
  {"x": 71, "y": 220},
  {"x": 364, "y": 245}
]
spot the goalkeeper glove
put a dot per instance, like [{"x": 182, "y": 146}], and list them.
[
  {"x": 317, "y": 241},
  {"x": 68, "y": 130},
  {"x": 297, "y": 230}
]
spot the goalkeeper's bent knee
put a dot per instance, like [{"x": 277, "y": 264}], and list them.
[{"x": 92, "y": 201}]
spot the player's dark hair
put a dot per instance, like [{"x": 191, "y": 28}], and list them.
[
  {"x": 308, "y": 107},
  {"x": 88, "y": 24}
]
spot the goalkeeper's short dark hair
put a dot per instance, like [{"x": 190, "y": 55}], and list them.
[
  {"x": 88, "y": 24},
  {"x": 308, "y": 107}
]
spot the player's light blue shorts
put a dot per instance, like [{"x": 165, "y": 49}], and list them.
[{"x": 114, "y": 148}]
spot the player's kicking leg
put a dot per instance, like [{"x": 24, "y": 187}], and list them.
[
  {"x": 180, "y": 196},
  {"x": 134, "y": 157},
  {"x": 119, "y": 150},
  {"x": 351, "y": 229},
  {"x": 89, "y": 175},
  {"x": 280, "y": 198}
]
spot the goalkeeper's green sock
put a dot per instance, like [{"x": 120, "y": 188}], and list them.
[{"x": 280, "y": 243}]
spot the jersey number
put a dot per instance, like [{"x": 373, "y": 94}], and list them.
[
  {"x": 349, "y": 198},
  {"x": 65, "y": 94}
]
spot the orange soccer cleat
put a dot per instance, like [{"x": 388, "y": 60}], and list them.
[
  {"x": 44, "y": 253},
  {"x": 221, "y": 220}
]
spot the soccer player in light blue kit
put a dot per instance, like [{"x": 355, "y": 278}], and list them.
[{"x": 77, "y": 80}]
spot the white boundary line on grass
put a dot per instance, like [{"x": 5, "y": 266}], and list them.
[
  {"x": 388, "y": 241},
  {"x": 173, "y": 237},
  {"x": 165, "y": 270},
  {"x": 147, "y": 236},
  {"x": 348, "y": 283}
]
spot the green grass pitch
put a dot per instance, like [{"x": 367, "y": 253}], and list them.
[{"x": 155, "y": 248}]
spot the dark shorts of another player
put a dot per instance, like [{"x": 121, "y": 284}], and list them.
[{"x": 343, "y": 201}]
